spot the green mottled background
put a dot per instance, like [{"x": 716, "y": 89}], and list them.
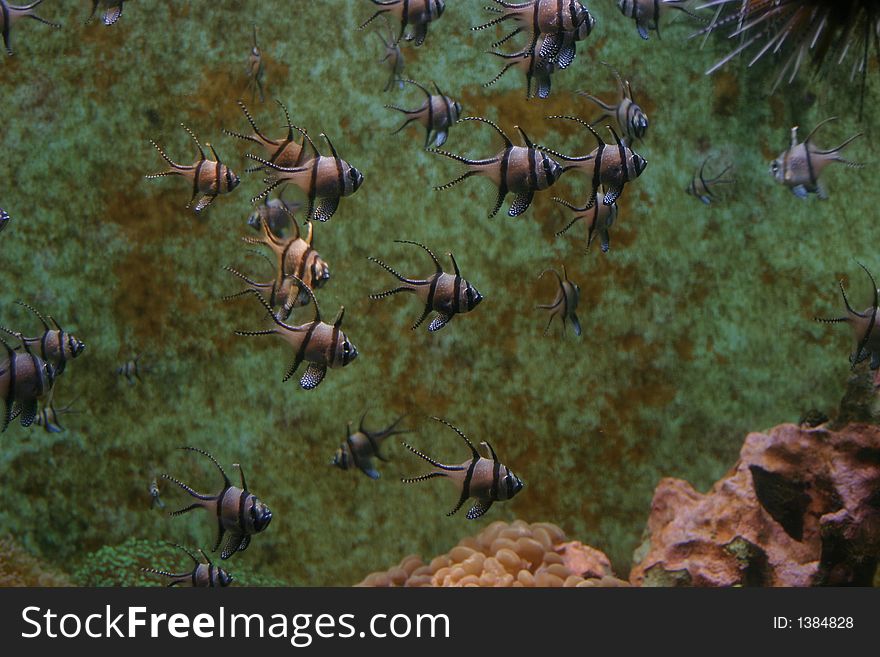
[{"x": 696, "y": 325}]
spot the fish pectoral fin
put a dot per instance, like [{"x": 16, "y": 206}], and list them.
[
  {"x": 441, "y": 138},
  {"x": 326, "y": 209},
  {"x": 566, "y": 56},
  {"x": 313, "y": 376},
  {"x": 576, "y": 323},
  {"x": 521, "y": 203},
  {"x": 800, "y": 191},
  {"x": 479, "y": 508},
  {"x": 643, "y": 31},
  {"x": 371, "y": 472},
  {"x": 235, "y": 543},
  {"x": 543, "y": 86},
  {"x": 112, "y": 14},
  {"x": 439, "y": 322},
  {"x": 204, "y": 202}
]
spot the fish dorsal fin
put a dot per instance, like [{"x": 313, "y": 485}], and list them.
[
  {"x": 241, "y": 474},
  {"x": 311, "y": 294},
  {"x": 214, "y": 152},
  {"x": 215, "y": 461},
  {"x": 35, "y": 312},
  {"x": 438, "y": 267},
  {"x": 425, "y": 91},
  {"x": 814, "y": 130},
  {"x": 206, "y": 557},
  {"x": 506, "y": 139},
  {"x": 439, "y": 92},
  {"x": 455, "y": 265},
  {"x": 196, "y": 140},
  {"x": 554, "y": 272},
  {"x": 474, "y": 451},
  {"x": 190, "y": 554},
  {"x": 287, "y": 117},
  {"x": 332, "y": 148},
  {"x": 338, "y": 321},
  {"x": 525, "y": 137},
  {"x": 361, "y": 423},
  {"x": 489, "y": 447},
  {"x": 871, "y": 322},
  {"x": 308, "y": 140},
  {"x": 616, "y": 137}
]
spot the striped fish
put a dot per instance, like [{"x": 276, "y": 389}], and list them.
[
  {"x": 48, "y": 416},
  {"x": 255, "y": 70},
  {"x": 285, "y": 152},
  {"x": 360, "y": 447},
  {"x": 415, "y": 13},
  {"x": 112, "y": 10},
  {"x": 132, "y": 370},
  {"x": 202, "y": 575},
  {"x": 321, "y": 345},
  {"x": 538, "y": 71},
  {"x": 701, "y": 187},
  {"x": 609, "y": 167},
  {"x": 11, "y": 14},
  {"x": 4, "y": 219},
  {"x": 294, "y": 256},
  {"x": 485, "y": 479},
  {"x": 322, "y": 177},
  {"x": 210, "y": 178},
  {"x": 633, "y": 122},
  {"x": 155, "y": 495},
  {"x": 647, "y": 13},
  {"x": 24, "y": 379},
  {"x": 437, "y": 114},
  {"x": 600, "y": 218},
  {"x": 239, "y": 512},
  {"x": 55, "y": 345},
  {"x": 864, "y": 325},
  {"x": 800, "y": 166},
  {"x": 522, "y": 170},
  {"x": 276, "y": 212},
  {"x": 393, "y": 56},
  {"x": 566, "y": 302},
  {"x": 447, "y": 294}
]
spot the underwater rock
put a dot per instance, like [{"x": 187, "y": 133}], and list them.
[
  {"x": 506, "y": 554},
  {"x": 800, "y": 508}
]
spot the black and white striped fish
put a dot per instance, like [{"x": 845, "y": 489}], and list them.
[
  {"x": 112, "y": 10},
  {"x": 447, "y": 294},
  {"x": 565, "y": 304},
  {"x": 701, "y": 187},
  {"x": 285, "y": 151},
  {"x": 255, "y": 69},
  {"x": 48, "y": 416},
  {"x": 360, "y": 447},
  {"x": 437, "y": 114},
  {"x": 600, "y": 218},
  {"x": 25, "y": 378},
  {"x": 647, "y": 13},
  {"x": 865, "y": 327},
  {"x": 537, "y": 70},
  {"x": 239, "y": 512},
  {"x": 486, "y": 479},
  {"x": 132, "y": 369},
  {"x": 4, "y": 219},
  {"x": 55, "y": 345},
  {"x": 631, "y": 119},
  {"x": 522, "y": 170},
  {"x": 393, "y": 57},
  {"x": 11, "y": 14},
  {"x": 415, "y": 13},
  {"x": 204, "y": 574},
  {"x": 210, "y": 178},
  {"x": 155, "y": 495}
]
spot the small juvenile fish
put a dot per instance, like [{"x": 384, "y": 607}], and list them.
[
  {"x": 238, "y": 511},
  {"x": 112, "y": 10},
  {"x": 600, "y": 216},
  {"x": 321, "y": 345},
  {"x": 647, "y": 13},
  {"x": 54, "y": 345},
  {"x": 437, "y": 114},
  {"x": 323, "y": 178},
  {"x": 286, "y": 152},
  {"x": 255, "y": 70},
  {"x": 359, "y": 448},
  {"x": 864, "y": 325},
  {"x": 155, "y": 499},
  {"x": 701, "y": 187},
  {"x": 522, "y": 170},
  {"x": 633, "y": 122},
  {"x": 447, "y": 294},
  {"x": 4, "y": 219},
  {"x": 24, "y": 379},
  {"x": 417, "y": 13},
  {"x": 208, "y": 177},
  {"x": 566, "y": 302},
  {"x": 485, "y": 479},
  {"x": 132, "y": 370},
  {"x": 800, "y": 166},
  {"x": 609, "y": 167},
  {"x": 202, "y": 575},
  {"x": 276, "y": 212},
  {"x": 48, "y": 414},
  {"x": 393, "y": 55},
  {"x": 11, "y": 14}
]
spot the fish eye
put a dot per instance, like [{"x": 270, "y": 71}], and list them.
[{"x": 774, "y": 166}]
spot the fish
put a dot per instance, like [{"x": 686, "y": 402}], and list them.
[
  {"x": 600, "y": 216},
  {"x": 393, "y": 55},
  {"x": 608, "y": 167},
  {"x": 112, "y": 10},
  {"x": 285, "y": 152},
  {"x": 800, "y": 166},
  {"x": 537, "y": 71},
  {"x": 631, "y": 119},
  {"x": 701, "y": 187},
  {"x": 4, "y": 219},
  {"x": 48, "y": 416},
  {"x": 54, "y": 345},
  {"x": 864, "y": 327},
  {"x": 24, "y": 379},
  {"x": 202, "y": 575},
  {"x": 210, "y": 178},
  {"x": 522, "y": 170},
  {"x": 321, "y": 345},
  {"x": 416, "y": 13},
  {"x": 438, "y": 113},
  {"x": 566, "y": 302},
  {"x": 294, "y": 255},
  {"x": 484, "y": 478},
  {"x": 11, "y": 14},
  {"x": 276, "y": 212},
  {"x": 155, "y": 499},
  {"x": 326, "y": 178},
  {"x": 255, "y": 70},
  {"x": 132, "y": 369},
  {"x": 360, "y": 447},
  {"x": 447, "y": 294},
  {"x": 239, "y": 513},
  {"x": 647, "y": 13}
]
